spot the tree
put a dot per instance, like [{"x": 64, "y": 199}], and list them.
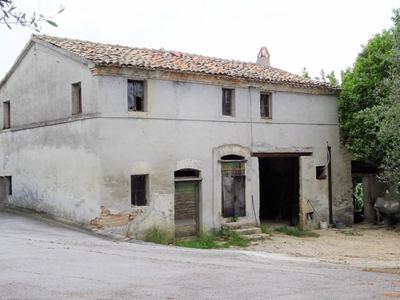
[
  {"x": 364, "y": 91},
  {"x": 331, "y": 76},
  {"x": 11, "y": 17},
  {"x": 387, "y": 114}
]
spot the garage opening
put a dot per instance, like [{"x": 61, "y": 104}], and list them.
[{"x": 279, "y": 190}]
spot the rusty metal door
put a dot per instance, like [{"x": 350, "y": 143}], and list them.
[{"x": 186, "y": 208}]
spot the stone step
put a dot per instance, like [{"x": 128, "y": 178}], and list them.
[
  {"x": 237, "y": 225},
  {"x": 258, "y": 237},
  {"x": 248, "y": 231}
]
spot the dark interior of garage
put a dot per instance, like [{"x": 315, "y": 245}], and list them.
[{"x": 279, "y": 190}]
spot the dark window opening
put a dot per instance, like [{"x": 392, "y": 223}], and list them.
[
  {"x": 227, "y": 102},
  {"x": 135, "y": 95},
  {"x": 138, "y": 190},
  {"x": 320, "y": 172},
  {"x": 76, "y": 98},
  {"x": 265, "y": 110},
  {"x": 6, "y": 115},
  {"x": 186, "y": 173},
  {"x": 232, "y": 157},
  {"x": 8, "y": 185}
]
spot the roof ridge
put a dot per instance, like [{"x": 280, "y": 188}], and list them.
[{"x": 151, "y": 59}]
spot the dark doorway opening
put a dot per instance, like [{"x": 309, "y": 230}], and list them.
[{"x": 279, "y": 189}]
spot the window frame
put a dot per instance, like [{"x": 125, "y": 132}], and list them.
[
  {"x": 76, "y": 98},
  {"x": 228, "y": 102},
  {"x": 263, "y": 115},
  {"x": 139, "y": 196},
  {"x": 6, "y": 115},
  {"x": 143, "y": 103}
]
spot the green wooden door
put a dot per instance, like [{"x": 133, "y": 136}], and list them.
[{"x": 186, "y": 208}]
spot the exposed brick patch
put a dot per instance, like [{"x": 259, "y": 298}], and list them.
[{"x": 110, "y": 220}]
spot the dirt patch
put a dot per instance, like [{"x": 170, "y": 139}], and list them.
[{"x": 361, "y": 245}]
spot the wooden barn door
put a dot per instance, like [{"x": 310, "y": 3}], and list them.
[{"x": 186, "y": 208}]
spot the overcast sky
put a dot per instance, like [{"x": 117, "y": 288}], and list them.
[{"x": 314, "y": 34}]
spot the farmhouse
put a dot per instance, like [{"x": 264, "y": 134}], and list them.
[{"x": 133, "y": 138}]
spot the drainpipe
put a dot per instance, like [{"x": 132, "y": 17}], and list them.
[{"x": 330, "y": 183}]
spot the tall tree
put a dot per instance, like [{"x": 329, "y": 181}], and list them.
[
  {"x": 387, "y": 114},
  {"x": 364, "y": 88},
  {"x": 12, "y": 17}
]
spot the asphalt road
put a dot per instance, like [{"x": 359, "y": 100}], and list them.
[{"x": 45, "y": 261}]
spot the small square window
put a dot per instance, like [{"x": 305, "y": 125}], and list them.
[
  {"x": 8, "y": 180},
  {"x": 320, "y": 172},
  {"x": 76, "y": 98},
  {"x": 265, "y": 106},
  {"x": 136, "y": 95},
  {"x": 139, "y": 190},
  {"x": 227, "y": 102},
  {"x": 6, "y": 115}
]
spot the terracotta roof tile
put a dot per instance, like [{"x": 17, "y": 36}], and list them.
[{"x": 152, "y": 59}]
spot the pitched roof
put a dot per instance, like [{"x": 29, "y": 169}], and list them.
[{"x": 156, "y": 59}]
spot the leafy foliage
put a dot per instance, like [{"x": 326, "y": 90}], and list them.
[
  {"x": 369, "y": 106},
  {"x": 324, "y": 77},
  {"x": 358, "y": 195},
  {"x": 11, "y": 17},
  {"x": 363, "y": 89}
]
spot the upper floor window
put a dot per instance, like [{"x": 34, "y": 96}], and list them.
[
  {"x": 265, "y": 106},
  {"x": 6, "y": 115},
  {"x": 76, "y": 98},
  {"x": 227, "y": 102},
  {"x": 136, "y": 95}
]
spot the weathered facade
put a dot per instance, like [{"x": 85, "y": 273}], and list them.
[{"x": 167, "y": 139}]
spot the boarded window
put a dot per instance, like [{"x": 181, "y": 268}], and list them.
[
  {"x": 6, "y": 115},
  {"x": 138, "y": 190},
  {"x": 227, "y": 101},
  {"x": 265, "y": 107},
  {"x": 233, "y": 188},
  {"x": 135, "y": 95},
  {"x": 76, "y": 98}
]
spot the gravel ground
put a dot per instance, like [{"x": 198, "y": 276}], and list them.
[{"x": 359, "y": 245}]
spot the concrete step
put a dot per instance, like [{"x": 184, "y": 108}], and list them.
[
  {"x": 237, "y": 225},
  {"x": 258, "y": 237},
  {"x": 248, "y": 231}
]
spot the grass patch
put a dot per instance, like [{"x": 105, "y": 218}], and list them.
[
  {"x": 264, "y": 229},
  {"x": 295, "y": 232},
  {"x": 203, "y": 241},
  {"x": 349, "y": 233},
  {"x": 216, "y": 239},
  {"x": 159, "y": 236}
]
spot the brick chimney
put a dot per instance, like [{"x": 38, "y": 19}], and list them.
[{"x": 263, "y": 57}]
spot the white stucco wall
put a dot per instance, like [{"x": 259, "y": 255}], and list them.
[{"x": 71, "y": 165}]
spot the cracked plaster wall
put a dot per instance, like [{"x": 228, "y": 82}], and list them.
[{"x": 73, "y": 167}]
